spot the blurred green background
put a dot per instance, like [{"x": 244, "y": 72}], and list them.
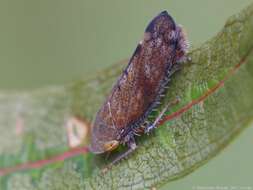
[{"x": 52, "y": 42}]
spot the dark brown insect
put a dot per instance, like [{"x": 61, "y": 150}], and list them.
[{"x": 139, "y": 88}]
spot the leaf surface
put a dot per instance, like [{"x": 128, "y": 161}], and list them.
[{"x": 215, "y": 89}]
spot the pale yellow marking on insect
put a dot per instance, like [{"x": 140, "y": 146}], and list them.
[{"x": 111, "y": 145}]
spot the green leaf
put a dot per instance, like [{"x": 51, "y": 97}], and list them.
[{"x": 215, "y": 88}]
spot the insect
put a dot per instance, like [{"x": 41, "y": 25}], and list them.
[{"x": 139, "y": 88}]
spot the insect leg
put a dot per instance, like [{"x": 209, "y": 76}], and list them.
[
  {"x": 159, "y": 117},
  {"x": 132, "y": 146}
]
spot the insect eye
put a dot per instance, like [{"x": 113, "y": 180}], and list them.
[{"x": 111, "y": 145}]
